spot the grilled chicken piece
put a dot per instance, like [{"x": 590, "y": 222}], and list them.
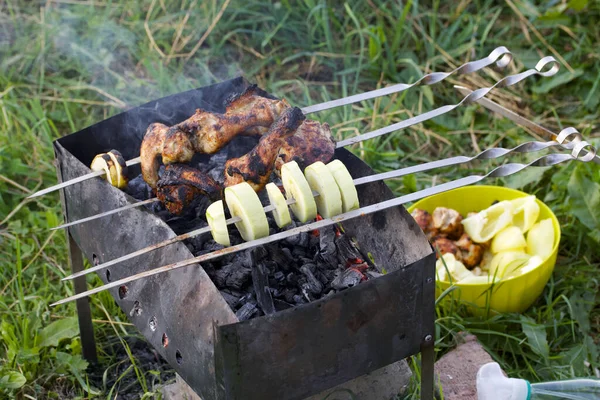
[
  {"x": 472, "y": 253},
  {"x": 425, "y": 222},
  {"x": 445, "y": 245},
  {"x": 311, "y": 143},
  {"x": 182, "y": 185},
  {"x": 207, "y": 132},
  {"x": 256, "y": 166},
  {"x": 150, "y": 152},
  {"x": 448, "y": 222}
]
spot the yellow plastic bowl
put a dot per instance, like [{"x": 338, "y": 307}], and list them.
[{"x": 514, "y": 294}]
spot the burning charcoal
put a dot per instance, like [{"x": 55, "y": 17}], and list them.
[
  {"x": 210, "y": 269},
  {"x": 275, "y": 292},
  {"x": 209, "y": 247},
  {"x": 311, "y": 266},
  {"x": 230, "y": 299},
  {"x": 289, "y": 294},
  {"x": 199, "y": 241},
  {"x": 247, "y": 298},
  {"x": 235, "y": 293},
  {"x": 299, "y": 299},
  {"x": 347, "y": 250},
  {"x": 279, "y": 277},
  {"x": 288, "y": 254},
  {"x": 258, "y": 254},
  {"x": 292, "y": 279},
  {"x": 243, "y": 258},
  {"x": 299, "y": 253},
  {"x": 373, "y": 274},
  {"x": 138, "y": 188},
  {"x": 327, "y": 248},
  {"x": 232, "y": 275},
  {"x": 220, "y": 275},
  {"x": 329, "y": 274},
  {"x": 306, "y": 292},
  {"x": 300, "y": 240},
  {"x": 246, "y": 312},
  {"x": 238, "y": 277},
  {"x": 322, "y": 277},
  {"x": 271, "y": 266},
  {"x": 313, "y": 241},
  {"x": 284, "y": 259},
  {"x": 260, "y": 281},
  {"x": 347, "y": 278},
  {"x": 313, "y": 285},
  {"x": 324, "y": 265}
]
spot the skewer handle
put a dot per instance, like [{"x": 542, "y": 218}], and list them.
[
  {"x": 500, "y": 56},
  {"x": 546, "y": 67}
]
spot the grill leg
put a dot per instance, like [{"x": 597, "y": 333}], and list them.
[
  {"x": 84, "y": 314},
  {"x": 427, "y": 362},
  {"x": 428, "y": 343}
]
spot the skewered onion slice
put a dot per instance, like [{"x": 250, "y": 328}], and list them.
[
  {"x": 114, "y": 166},
  {"x": 321, "y": 180},
  {"x": 215, "y": 216},
  {"x": 296, "y": 186},
  {"x": 103, "y": 162},
  {"x": 345, "y": 185},
  {"x": 120, "y": 168},
  {"x": 281, "y": 212},
  {"x": 243, "y": 202}
]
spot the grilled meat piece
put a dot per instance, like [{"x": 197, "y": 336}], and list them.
[
  {"x": 448, "y": 222},
  {"x": 256, "y": 166},
  {"x": 311, "y": 143},
  {"x": 150, "y": 152},
  {"x": 425, "y": 222},
  {"x": 472, "y": 253},
  {"x": 445, "y": 245},
  {"x": 182, "y": 185},
  {"x": 422, "y": 218},
  {"x": 207, "y": 132}
]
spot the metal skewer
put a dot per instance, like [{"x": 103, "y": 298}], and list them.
[
  {"x": 519, "y": 120},
  {"x": 501, "y": 171},
  {"x": 472, "y": 97},
  {"x": 81, "y": 178},
  {"x": 500, "y": 56},
  {"x": 484, "y": 155}
]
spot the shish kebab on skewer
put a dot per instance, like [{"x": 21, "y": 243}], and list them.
[
  {"x": 501, "y": 171},
  {"x": 566, "y": 139},
  {"x": 500, "y": 56},
  {"x": 490, "y": 153},
  {"x": 202, "y": 184}
]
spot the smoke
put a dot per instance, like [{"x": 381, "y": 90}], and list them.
[{"x": 118, "y": 60}]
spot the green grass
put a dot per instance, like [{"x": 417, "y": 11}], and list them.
[{"x": 64, "y": 66}]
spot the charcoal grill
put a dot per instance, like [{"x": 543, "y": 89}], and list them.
[{"x": 291, "y": 354}]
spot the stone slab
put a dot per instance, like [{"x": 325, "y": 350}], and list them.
[{"x": 457, "y": 370}]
